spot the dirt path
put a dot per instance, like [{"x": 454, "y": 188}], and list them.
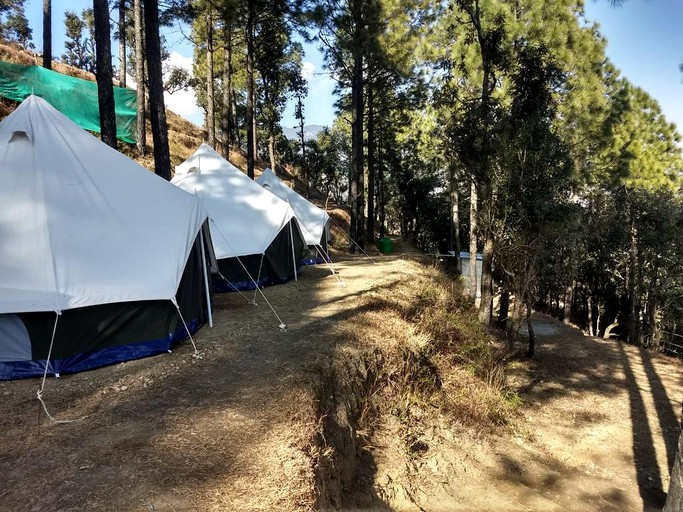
[
  {"x": 233, "y": 430},
  {"x": 170, "y": 433},
  {"x": 600, "y": 433}
]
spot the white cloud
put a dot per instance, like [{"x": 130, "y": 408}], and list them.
[
  {"x": 183, "y": 103},
  {"x": 307, "y": 70},
  {"x": 180, "y": 61}
]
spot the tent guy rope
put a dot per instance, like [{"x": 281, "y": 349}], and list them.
[
  {"x": 39, "y": 394},
  {"x": 282, "y": 326}
]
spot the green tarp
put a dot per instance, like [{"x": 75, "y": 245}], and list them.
[{"x": 73, "y": 97}]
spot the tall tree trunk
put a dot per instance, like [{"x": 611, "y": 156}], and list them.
[
  {"x": 504, "y": 311},
  {"x": 633, "y": 299},
  {"x": 473, "y": 241},
  {"x": 568, "y": 300},
  {"x": 236, "y": 131},
  {"x": 227, "y": 120},
  {"x": 302, "y": 141},
  {"x": 356, "y": 189},
  {"x": 140, "y": 128},
  {"x": 105, "y": 86},
  {"x": 513, "y": 326},
  {"x": 162, "y": 158},
  {"x": 530, "y": 328},
  {"x": 589, "y": 313},
  {"x": 370, "y": 231},
  {"x": 210, "y": 114},
  {"x": 455, "y": 219},
  {"x": 251, "y": 136},
  {"x": 486, "y": 304},
  {"x": 254, "y": 127},
  {"x": 652, "y": 310},
  {"x": 380, "y": 179},
  {"x": 122, "y": 43},
  {"x": 47, "y": 34},
  {"x": 271, "y": 147},
  {"x": 674, "y": 499}
]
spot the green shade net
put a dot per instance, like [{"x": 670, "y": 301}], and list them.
[{"x": 73, "y": 97}]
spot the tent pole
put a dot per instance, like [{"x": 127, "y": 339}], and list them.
[
  {"x": 206, "y": 277},
  {"x": 291, "y": 239}
]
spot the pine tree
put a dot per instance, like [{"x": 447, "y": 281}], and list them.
[
  {"x": 80, "y": 42},
  {"x": 47, "y": 34},
  {"x": 162, "y": 159},
  {"x": 104, "y": 73}
]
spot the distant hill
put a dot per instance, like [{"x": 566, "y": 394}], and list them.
[{"x": 311, "y": 131}]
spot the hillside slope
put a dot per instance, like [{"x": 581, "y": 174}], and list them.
[{"x": 184, "y": 137}]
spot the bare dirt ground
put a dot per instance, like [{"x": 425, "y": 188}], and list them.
[
  {"x": 230, "y": 431},
  {"x": 599, "y": 431},
  {"x": 233, "y": 430}
]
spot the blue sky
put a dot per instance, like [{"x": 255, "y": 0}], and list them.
[{"x": 645, "y": 41}]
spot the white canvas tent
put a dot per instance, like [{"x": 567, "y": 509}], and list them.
[
  {"x": 255, "y": 234},
  {"x": 98, "y": 255},
  {"x": 314, "y": 221}
]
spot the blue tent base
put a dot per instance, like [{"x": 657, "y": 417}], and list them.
[
  {"x": 91, "y": 360},
  {"x": 313, "y": 261},
  {"x": 221, "y": 285}
]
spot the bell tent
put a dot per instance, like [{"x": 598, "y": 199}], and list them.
[
  {"x": 101, "y": 261},
  {"x": 256, "y": 236},
  {"x": 314, "y": 221}
]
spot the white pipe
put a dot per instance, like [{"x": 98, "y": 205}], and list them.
[{"x": 206, "y": 276}]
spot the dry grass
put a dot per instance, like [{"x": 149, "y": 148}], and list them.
[{"x": 417, "y": 367}]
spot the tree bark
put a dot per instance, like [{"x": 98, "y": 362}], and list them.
[
  {"x": 210, "y": 113},
  {"x": 271, "y": 148},
  {"x": 380, "y": 179},
  {"x": 251, "y": 136},
  {"x": 356, "y": 187},
  {"x": 589, "y": 314},
  {"x": 634, "y": 303},
  {"x": 455, "y": 220},
  {"x": 486, "y": 304},
  {"x": 302, "y": 141},
  {"x": 532, "y": 336},
  {"x": 473, "y": 241},
  {"x": 227, "y": 120},
  {"x": 608, "y": 330},
  {"x": 504, "y": 310},
  {"x": 567, "y": 307},
  {"x": 674, "y": 499},
  {"x": 162, "y": 158},
  {"x": 47, "y": 34},
  {"x": 122, "y": 43},
  {"x": 140, "y": 127},
  {"x": 370, "y": 231},
  {"x": 515, "y": 323},
  {"x": 105, "y": 86}
]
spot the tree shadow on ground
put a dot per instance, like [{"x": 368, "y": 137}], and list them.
[
  {"x": 570, "y": 366},
  {"x": 171, "y": 432}
]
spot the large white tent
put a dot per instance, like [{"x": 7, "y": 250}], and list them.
[
  {"x": 255, "y": 234},
  {"x": 99, "y": 256},
  {"x": 314, "y": 221}
]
